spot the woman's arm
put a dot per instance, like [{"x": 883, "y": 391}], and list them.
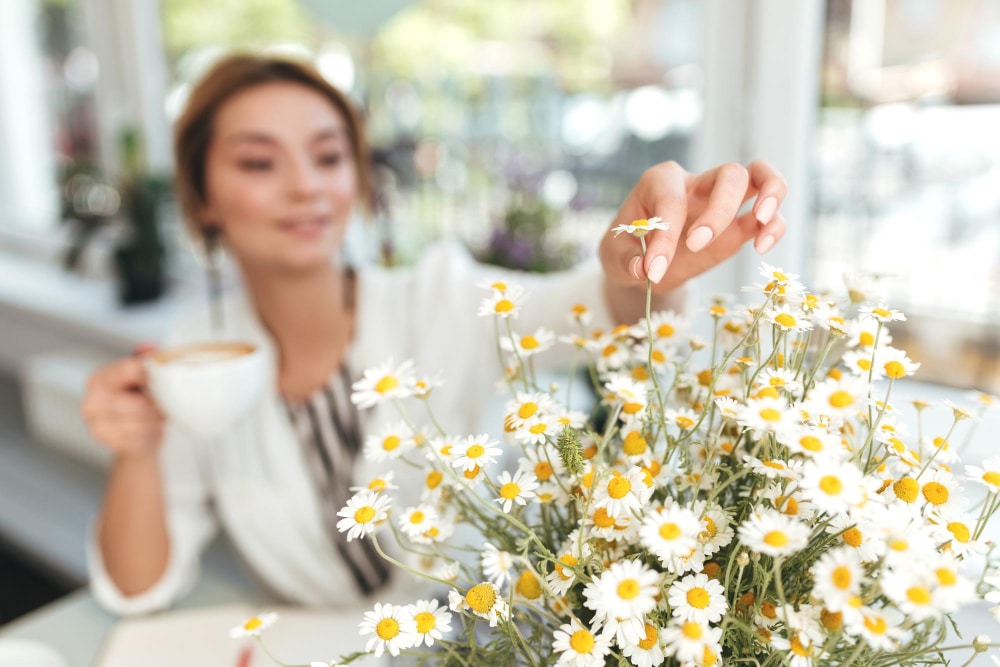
[{"x": 703, "y": 210}]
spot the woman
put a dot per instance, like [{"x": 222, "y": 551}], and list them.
[{"x": 271, "y": 159}]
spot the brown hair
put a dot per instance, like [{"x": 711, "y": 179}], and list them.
[{"x": 231, "y": 75}]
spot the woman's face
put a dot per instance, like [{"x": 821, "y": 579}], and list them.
[{"x": 280, "y": 177}]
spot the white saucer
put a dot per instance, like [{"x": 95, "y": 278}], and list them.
[{"x": 29, "y": 653}]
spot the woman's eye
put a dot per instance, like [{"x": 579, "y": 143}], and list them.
[
  {"x": 330, "y": 159},
  {"x": 255, "y": 165}
]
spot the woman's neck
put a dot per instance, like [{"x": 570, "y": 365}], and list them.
[{"x": 311, "y": 318}]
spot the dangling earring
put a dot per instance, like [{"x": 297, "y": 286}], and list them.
[{"x": 211, "y": 236}]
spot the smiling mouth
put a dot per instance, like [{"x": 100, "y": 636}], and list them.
[{"x": 304, "y": 226}]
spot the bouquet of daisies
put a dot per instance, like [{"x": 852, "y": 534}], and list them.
[{"x": 752, "y": 499}]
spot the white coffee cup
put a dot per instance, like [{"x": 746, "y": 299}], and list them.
[{"x": 207, "y": 388}]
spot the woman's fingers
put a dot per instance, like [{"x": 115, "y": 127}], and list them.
[
  {"x": 727, "y": 186},
  {"x": 770, "y": 188}
]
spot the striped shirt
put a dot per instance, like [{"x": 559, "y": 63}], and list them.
[{"x": 328, "y": 428}]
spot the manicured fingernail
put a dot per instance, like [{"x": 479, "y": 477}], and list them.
[
  {"x": 765, "y": 244},
  {"x": 766, "y": 210},
  {"x": 699, "y": 238},
  {"x": 633, "y": 266},
  {"x": 657, "y": 268}
]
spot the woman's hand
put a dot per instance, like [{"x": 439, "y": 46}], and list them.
[
  {"x": 118, "y": 409},
  {"x": 704, "y": 228}
]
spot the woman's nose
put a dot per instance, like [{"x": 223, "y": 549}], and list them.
[{"x": 303, "y": 178}]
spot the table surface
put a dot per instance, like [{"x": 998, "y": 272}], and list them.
[{"x": 76, "y": 626}]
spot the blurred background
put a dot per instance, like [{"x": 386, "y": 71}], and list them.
[{"x": 517, "y": 126}]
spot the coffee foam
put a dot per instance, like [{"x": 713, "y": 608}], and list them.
[{"x": 202, "y": 353}]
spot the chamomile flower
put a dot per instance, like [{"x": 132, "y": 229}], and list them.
[
  {"x": 621, "y": 597},
  {"x": 579, "y": 646},
  {"x": 389, "y": 442},
  {"x": 988, "y": 475},
  {"x": 894, "y": 363},
  {"x": 729, "y": 408},
  {"x": 623, "y": 494},
  {"x": 424, "y": 386},
  {"x": 580, "y": 315},
  {"x": 670, "y": 533},
  {"x": 833, "y": 486},
  {"x": 955, "y": 532},
  {"x": 813, "y": 442},
  {"x": 497, "y": 564},
  {"x": 632, "y": 395},
  {"x": 856, "y": 533},
  {"x": 772, "y": 533},
  {"x": 911, "y": 589},
  {"x": 378, "y": 483},
  {"x": 767, "y": 415},
  {"x": 837, "y": 400},
  {"x": 432, "y": 621},
  {"x": 524, "y": 407},
  {"x": 864, "y": 333},
  {"x": 563, "y": 575},
  {"x": 801, "y": 650},
  {"x": 787, "y": 318},
  {"x": 667, "y": 327},
  {"x": 386, "y": 382},
  {"x": 883, "y": 313},
  {"x": 544, "y": 463},
  {"x": 862, "y": 363},
  {"x": 253, "y": 626},
  {"x": 483, "y": 600},
  {"x": 648, "y": 651},
  {"x": 517, "y": 488},
  {"x": 687, "y": 639},
  {"x": 698, "y": 598},
  {"x": 641, "y": 226},
  {"x": 391, "y": 628},
  {"x": 782, "y": 379},
  {"x": 415, "y": 521},
  {"x": 476, "y": 452},
  {"x": 537, "y": 429},
  {"x": 530, "y": 344},
  {"x": 879, "y": 628},
  {"x": 363, "y": 513},
  {"x": 504, "y": 304},
  {"x": 837, "y": 578}
]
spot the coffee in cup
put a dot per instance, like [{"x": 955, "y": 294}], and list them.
[{"x": 207, "y": 387}]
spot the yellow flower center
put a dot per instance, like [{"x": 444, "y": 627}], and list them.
[
  {"x": 831, "y": 620},
  {"x": 768, "y": 610},
  {"x": 387, "y": 383},
  {"x": 867, "y": 339},
  {"x": 538, "y": 428},
  {"x": 785, "y": 319},
  {"x": 503, "y": 306},
  {"x": 528, "y": 586},
  {"x": 918, "y": 595},
  {"x": 618, "y": 487},
  {"x": 377, "y": 484},
  {"x": 881, "y": 312},
  {"x": 499, "y": 286},
  {"x": 649, "y": 641},
  {"x": 776, "y": 538},
  {"x": 434, "y": 479},
  {"x": 387, "y": 628},
  {"x": 527, "y": 409},
  {"x": 543, "y": 470},
  {"x": 475, "y": 451},
  {"x": 582, "y": 642},
  {"x": 665, "y": 331},
  {"x": 831, "y": 485},
  {"x": 698, "y": 597},
  {"x": 364, "y": 514},
  {"x": 641, "y": 222},
  {"x": 798, "y": 647},
  {"x": 659, "y": 357},
  {"x": 471, "y": 474},
  {"x": 391, "y": 442},
  {"x": 770, "y": 415},
  {"x": 253, "y": 624},
  {"x": 774, "y": 464},
  {"x": 842, "y": 577},
  {"x": 417, "y": 517},
  {"x": 670, "y": 531},
  {"x": 992, "y": 477},
  {"x": 946, "y": 577},
  {"x": 481, "y": 598},
  {"x": 602, "y": 519},
  {"x": 960, "y": 531},
  {"x": 609, "y": 350},
  {"x": 899, "y": 544},
  {"x": 853, "y": 537},
  {"x": 529, "y": 342},
  {"x": 579, "y": 309},
  {"x": 569, "y": 560},
  {"x": 935, "y": 493},
  {"x": 631, "y": 408},
  {"x": 692, "y": 630},
  {"x": 811, "y": 443},
  {"x": 876, "y": 625},
  {"x": 906, "y": 489},
  {"x": 684, "y": 422},
  {"x": 895, "y": 369},
  {"x": 865, "y": 364},
  {"x": 510, "y": 491},
  {"x": 841, "y": 399},
  {"x": 628, "y": 589},
  {"x": 634, "y": 444},
  {"x": 425, "y": 621}
]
